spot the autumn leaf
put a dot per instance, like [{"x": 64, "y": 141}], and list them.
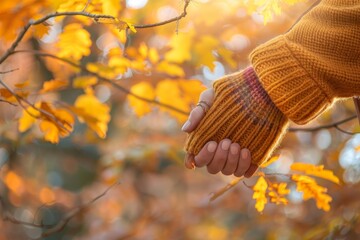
[
  {"x": 53, "y": 85},
  {"x": 170, "y": 69},
  {"x": 180, "y": 47},
  {"x": 74, "y": 42},
  {"x": 203, "y": 51},
  {"x": 270, "y": 161},
  {"x": 311, "y": 189},
  {"x": 28, "y": 118},
  {"x": 260, "y": 194},
  {"x": 277, "y": 193},
  {"x": 181, "y": 94},
  {"x": 144, "y": 90},
  {"x": 94, "y": 113},
  {"x": 84, "y": 81},
  {"x": 317, "y": 171},
  {"x": 40, "y": 30}
]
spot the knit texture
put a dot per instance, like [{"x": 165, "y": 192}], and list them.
[
  {"x": 244, "y": 113},
  {"x": 315, "y": 63}
]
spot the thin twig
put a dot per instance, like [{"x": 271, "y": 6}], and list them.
[
  {"x": 327, "y": 126},
  {"x": 62, "y": 224},
  {"x": 20, "y": 100},
  {"x": 52, "y": 229},
  {"x": 13, "y": 104},
  {"x": 9, "y": 71},
  {"x": 175, "y": 19},
  {"x": 22, "y": 33},
  {"x": 106, "y": 80},
  {"x": 127, "y": 91}
]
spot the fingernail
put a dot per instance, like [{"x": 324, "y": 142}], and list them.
[
  {"x": 234, "y": 150},
  {"x": 225, "y": 145},
  {"x": 244, "y": 154},
  {"x": 211, "y": 147},
  {"x": 186, "y": 126}
]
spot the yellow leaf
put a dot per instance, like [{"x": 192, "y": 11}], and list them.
[
  {"x": 143, "y": 50},
  {"x": 94, "y": 113},
  {"x": 203, "y": 51},
  {"x": 168, "y": 91},
  {"x": 311, "y": 189},
  {"x": 74, "y": 42},
  {"x": 180, "y": 47},
  {"x": 144, "y": 90},
  {"x": 84, "y": 81},
  {"x": 111, "y": 7},
  {"x": 170, "y": 69},
  {"x": 61, "y": 118},
  {"x": 317, "y": 171},
  {"x": 103, "y": 70},
  {"x": 260, "y": 194},
  {"x": 50, "y": 130},
  {"x": 270, "y": 161},
  {"x": 226, "y": 54},
  {"x": 53, "y": 85},
  {"x": 28, "y": 118},
  {"x": 181, "y": 94},
  {"x": 153, "y": 55}
]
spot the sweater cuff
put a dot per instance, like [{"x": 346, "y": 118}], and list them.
[{"x": 289, "y": 86}]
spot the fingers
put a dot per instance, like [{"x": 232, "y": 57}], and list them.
[
  {"x": 226, "y": 157},
  {"x": 198, "y": 112},
  {"x": 244, "y": 163},
  {"x": 206, "y": 154},
  {"x": 220, "y": 157},
  {"x": 232, "y": 160},
  {"x": 252, "y": 169}
]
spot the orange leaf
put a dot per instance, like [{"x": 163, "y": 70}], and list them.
[{"x": 53, "y": 85}]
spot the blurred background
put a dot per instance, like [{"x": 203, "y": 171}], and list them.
[{"x": 157, "y": 198}]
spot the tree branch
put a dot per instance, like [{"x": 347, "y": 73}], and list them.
[
  {"x": 52, "y": 229},
  {"x": 106, "y": 80},
  {"x": 327, "y": 126},
  {"x": 175, "y": 19},
  {"x": 22, "y": 33}
]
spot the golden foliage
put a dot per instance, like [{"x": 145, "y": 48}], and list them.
[
  {"x": 74, "y": 42},
  {"x": 317, "y": 171},
  {"x": 94, "y": 113},
  {"x": 144, "y": 90},
  {"x": 311, "y": 189},
  {"x": 260, "y": 193}
]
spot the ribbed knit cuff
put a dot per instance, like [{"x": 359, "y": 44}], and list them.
[{"x": 288, "y": 84}]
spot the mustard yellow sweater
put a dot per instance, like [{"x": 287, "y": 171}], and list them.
[
  {"x": 294, "y": 76},
  {"x": 315, "y": 63}
]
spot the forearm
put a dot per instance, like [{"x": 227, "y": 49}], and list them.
[{"x": 306, "y": 69}]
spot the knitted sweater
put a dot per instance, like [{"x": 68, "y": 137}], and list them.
[
  {"x": 294, "y": 76},
  {"x": 315, "y": 63}
]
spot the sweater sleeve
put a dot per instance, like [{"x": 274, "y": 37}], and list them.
[{"x": 318, "y": 61}]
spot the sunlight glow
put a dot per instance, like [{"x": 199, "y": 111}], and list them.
[{"x": 136, "y": 4}]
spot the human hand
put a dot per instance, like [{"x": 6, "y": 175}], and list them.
[
  {"x": 227, "y": 156},
  {"x": 238, "y": 113}
]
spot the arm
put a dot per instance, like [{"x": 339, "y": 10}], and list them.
[
  {"x": 313, "y": 64},
  {"x": 302, "y": 72}
]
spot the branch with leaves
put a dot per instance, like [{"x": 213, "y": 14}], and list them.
[{"x": 265, "y": 189}]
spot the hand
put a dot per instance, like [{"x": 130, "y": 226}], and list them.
[{"x": 227, "y": 157}]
